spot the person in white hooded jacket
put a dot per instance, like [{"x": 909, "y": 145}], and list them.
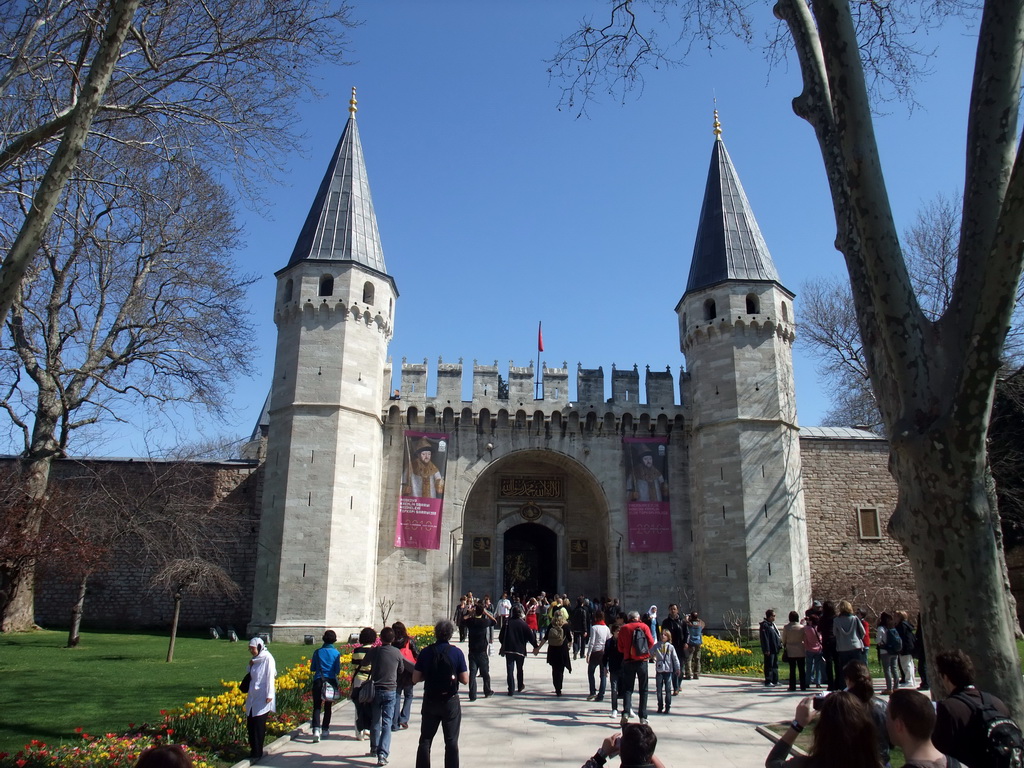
[{"x": 261, "y": 698}]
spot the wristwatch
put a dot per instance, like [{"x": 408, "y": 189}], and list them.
[{"x": 795, "y": 725}]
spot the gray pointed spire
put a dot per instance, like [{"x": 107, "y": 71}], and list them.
[
  {"x": 729, "y": 243},
  {"x": 341, "y": 225}
]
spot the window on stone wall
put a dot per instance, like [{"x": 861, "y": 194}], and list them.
[{"x": 868, "y": 523}]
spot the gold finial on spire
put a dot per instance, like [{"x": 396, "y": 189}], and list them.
[
  {"x": 352, "y": 108},
  {"x": 718, "y": 127}
]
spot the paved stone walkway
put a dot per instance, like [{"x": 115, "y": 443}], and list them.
[{"x": 711, "y": 724}]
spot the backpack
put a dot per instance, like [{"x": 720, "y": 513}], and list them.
[
  {"x": 441, "y": 680},
  {"x": 641, "y": 647},
  {"x": 556, "y": 634},
  {"x": 1004, "y": 743},
  {"x": 893, "y": 643},
  {"x": 907, "y": 637}
]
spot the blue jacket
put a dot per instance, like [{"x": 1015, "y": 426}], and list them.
[{"x": 326, "y": 662}]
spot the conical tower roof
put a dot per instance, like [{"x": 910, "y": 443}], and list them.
[
  {"x": 341, "y": 225},
  {"x": 729, "y": 244}
]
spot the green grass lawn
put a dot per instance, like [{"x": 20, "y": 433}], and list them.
[{"x": 110, "y": 680}]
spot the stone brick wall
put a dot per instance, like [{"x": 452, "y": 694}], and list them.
[
  {"x": 840, "y": 476},
  {"x": 121, "y": 596}
]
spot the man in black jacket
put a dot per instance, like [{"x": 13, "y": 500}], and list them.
[
  {"x": 959, "y": 722},
  {"x": 579, "y": 623},
  {"x": 771, "y": 644},
  {"x": 513, "y": 638},
  {"x": 478, "y": 627}
]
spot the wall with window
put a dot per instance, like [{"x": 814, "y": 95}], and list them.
[{"x": 849, "y": 497}]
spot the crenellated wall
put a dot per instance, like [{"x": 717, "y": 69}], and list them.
[{"x": 513, "y": 400}]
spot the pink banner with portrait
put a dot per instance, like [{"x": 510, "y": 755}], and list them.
[
  {"x": 422, "y": 493},
  {"x": 647, "y": 501}
]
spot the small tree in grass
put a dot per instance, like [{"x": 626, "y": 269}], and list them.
[{"x": 201, "y": 577}]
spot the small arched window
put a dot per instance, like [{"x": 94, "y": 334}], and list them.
[
  {"x": 326, "y": 285},
  {"x": 710, "y": 311},
  {"x": 753, "y": 305},
  {"x": 368, "y": 293},
  {"x": 289, "y": 289},
  {"x": 785, "y": 313}
]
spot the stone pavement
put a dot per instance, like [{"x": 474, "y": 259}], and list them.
[{"x": 712, "y": 724}]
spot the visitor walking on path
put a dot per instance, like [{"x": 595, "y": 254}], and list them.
[
  {"x": 599, "y": 635},
  {"x": 613, "y": 664},
  {"x": 513, "y": 639},
  {"x": 666, "y": 670},
  {"x": 635, "y": 643},
  {"x": 361, "y": 667},
  {"x": 441, "y": 667},
  {"x": 558, "y": 641},
  {"x": 404, "y": 694},
  {"x": 325, "y": 666},
  {"x": 479, "y": 628},
  {"x": 387, "y": 664},
  {"x": 260, "y": 699}
]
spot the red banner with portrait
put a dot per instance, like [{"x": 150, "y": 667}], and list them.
[
  {"x": 422, "y": 493},
  {"x": 647, "y": 501}
]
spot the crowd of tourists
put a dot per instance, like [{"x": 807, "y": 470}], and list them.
[
  {"x": 826, "y": 648},
  {"x": 818, "y": 646}
]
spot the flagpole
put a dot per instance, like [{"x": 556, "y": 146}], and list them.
[{"x": 540, "y": 348}]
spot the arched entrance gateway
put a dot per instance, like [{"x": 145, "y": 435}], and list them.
[{"x": 537, "y": 520}]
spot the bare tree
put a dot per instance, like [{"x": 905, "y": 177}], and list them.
[
  {"x": 134, "y": 299},
  {"x": 933, "y": 378},
  {"x": 194, "y": 574},
  {"x": 828, "y": 325},
  {"x": 79, "y": 120},
  {"x": 217, "y": 81}
]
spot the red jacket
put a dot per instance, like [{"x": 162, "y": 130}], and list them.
[{"x": 626, "y": 641}]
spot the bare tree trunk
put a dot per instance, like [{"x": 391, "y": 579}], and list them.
[
  {"x": 76, "y": 613},
  {"x": 174, "y": 625},
  {"x": 63, "y": 163},
  {"x": 19, "y": 582},
  {"x": 946, "y": 520}
]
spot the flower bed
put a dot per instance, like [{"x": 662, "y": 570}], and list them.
[
  {"x": 210, "y": 728},
  {"x": 724, "y": 657},
  {"x": 107, "y": 751}
]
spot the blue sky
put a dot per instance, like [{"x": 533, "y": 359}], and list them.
[{"x": 496, "y": 210}]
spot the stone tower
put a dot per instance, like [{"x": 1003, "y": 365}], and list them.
[
  {"x": 736, "y": 331},
  {"x": 334, "y": 309}
]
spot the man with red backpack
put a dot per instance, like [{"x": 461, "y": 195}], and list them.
[{"x": 635, "y": 643}]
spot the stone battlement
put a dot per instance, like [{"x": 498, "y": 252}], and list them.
[{"x": 513, "y": 401}]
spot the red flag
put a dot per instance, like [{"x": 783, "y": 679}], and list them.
[{"x": 540, "y": 339}]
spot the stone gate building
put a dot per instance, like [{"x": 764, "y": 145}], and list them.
[{"x": 699, "y": 488}]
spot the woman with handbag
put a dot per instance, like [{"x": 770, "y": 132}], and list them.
[
  {"x": 325, "y": 665},
  {"x": 361, "y": 676},
  {"x": 260, "y": 699}
]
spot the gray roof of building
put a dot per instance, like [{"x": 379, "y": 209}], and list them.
[
  {"x": 839, "y": 433},
  {"x": 341, "y": 225},
  {"x": 729, "y": 243}
]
